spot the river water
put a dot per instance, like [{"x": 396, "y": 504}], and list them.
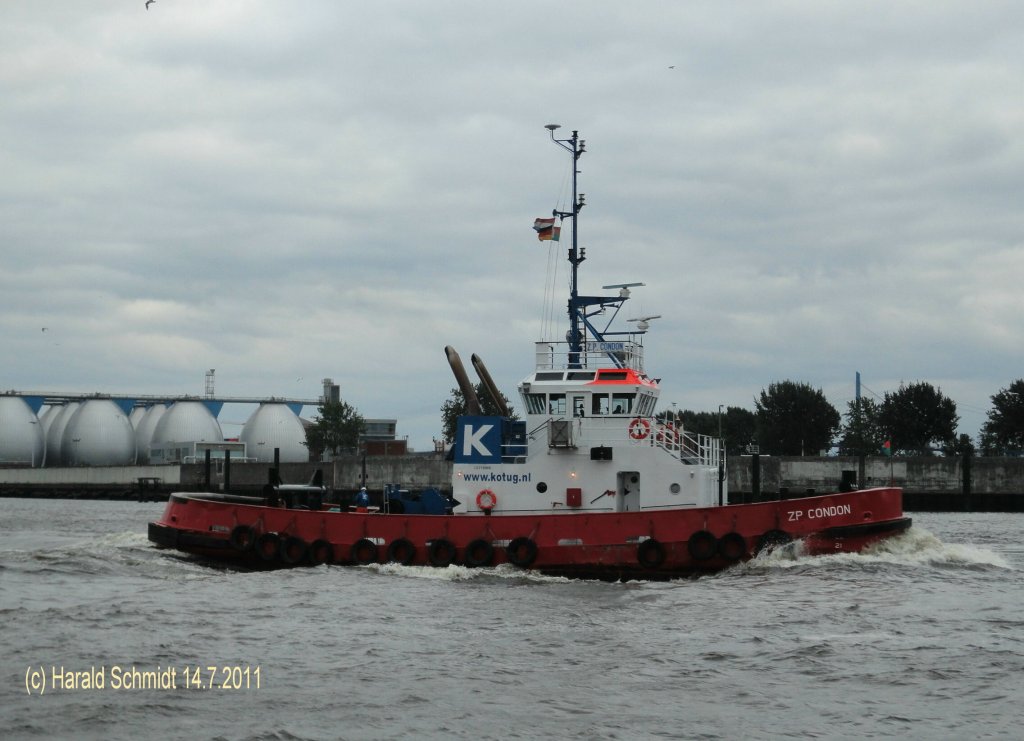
[{"x": 922, "y": 638}]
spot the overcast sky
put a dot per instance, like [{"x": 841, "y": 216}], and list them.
[{"x": 287, "y": 191}]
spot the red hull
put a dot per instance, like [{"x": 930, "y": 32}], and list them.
[{"x": 645, "y": 544}]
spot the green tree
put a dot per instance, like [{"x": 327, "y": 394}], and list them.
[
  {"x": 795, "y": 419},
  {"x": 337, "y": 429},
  {"x": 919, "y": 419},
  {"x": 739, "y": 428},
  {"x": 862, "y": 433},
  {"x": 962, "y": 446},
  {"x": 738, "y": 425},
  {"x": 1003, "y": 432},
  {"x": 455, "y": 405}
]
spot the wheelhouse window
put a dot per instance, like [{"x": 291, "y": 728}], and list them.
[
  {"x": 599, "y": 404},
  {"x": 622, "y": 403},
  {"x": 556, "y": 404},
  {"x": 548, "y": 376},
  {"x": 645, "y": 405},
  {"x": 579, "y": 406},
  {"x": 535, "y": 403}
]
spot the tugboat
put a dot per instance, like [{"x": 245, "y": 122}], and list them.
[{"x": 590, "y": 484}]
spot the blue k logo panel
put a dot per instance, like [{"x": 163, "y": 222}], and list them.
[{"x": 478, "y": 440}]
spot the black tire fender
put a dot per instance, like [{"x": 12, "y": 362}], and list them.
[
  {"x": 702, "y": 545},
  {"x": 320, "y": 552},
  {"x": 521, "y": 552},
  {"x": 441, "y": 552},
  {"x": 650, "y": 554},
  {"x": 773, "y": 539},
  {"x": 401, "y": 551},
  {"x": 268, "y": 546},
  {"x": 364, "y": 551},
  {"x": 479, "y": 552},
  {"x": 242, "y": 538},
  {"x": 293, "y": 550},
  {"x": 732, "y": 547}
]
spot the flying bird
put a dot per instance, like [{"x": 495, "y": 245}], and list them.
[{"x": 148, "y": 3}]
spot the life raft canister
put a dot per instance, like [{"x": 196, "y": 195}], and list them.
[
  {"x": 639, "y": 428},
  {"x": 486, "y": 500}
]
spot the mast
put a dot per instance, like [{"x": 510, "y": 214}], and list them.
[
  {"x": 583, "y": 308},
  {"x": 576, "y": 147}
]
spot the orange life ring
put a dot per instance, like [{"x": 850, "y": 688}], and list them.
[
  {"x": 486, "y": 500},
  {"x": 639, "y": 428}
]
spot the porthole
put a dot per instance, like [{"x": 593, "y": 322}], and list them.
[
  {"x": 675, "y": 488},
  {"x": 542, "y": 487}
]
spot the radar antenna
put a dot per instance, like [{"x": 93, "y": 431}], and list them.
[{"x": 643, "y": 322}]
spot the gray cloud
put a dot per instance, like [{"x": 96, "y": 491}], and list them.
[{"x": 282, "y": 191}]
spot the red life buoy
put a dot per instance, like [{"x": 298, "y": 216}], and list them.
[
  {"x": 486, "y": 500},
  {"x": 639, "y": 428}
]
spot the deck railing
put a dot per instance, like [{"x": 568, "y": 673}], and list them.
[
  {"x": 615, "y": 354},
  {"x": 688, "y": 447}
]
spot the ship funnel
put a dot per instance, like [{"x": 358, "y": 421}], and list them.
[
  {"x": 472, "y": 402},
  {"x": 488, "y": 382}
]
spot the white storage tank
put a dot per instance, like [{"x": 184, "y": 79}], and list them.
[
  {"x": 98, "y": 434},
  {"x": 271, "y": 426},
  {"x": 186, "y": 421},
  {"x": 48, "y": 415},
  {"x": 55, "y": 433},
  {"x": 46, "y": 419},
  {"x": 21, "y": 434},
  {"x": 136, "y": 416},
  {"x": 144, "y": 429}
]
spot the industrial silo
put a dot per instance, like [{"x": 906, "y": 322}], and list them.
[
  {"x": 98, "y": 434},
  {"x": 46, "y": 419},
  {"x": 144, "y": 429},
  {"x": 21, "y": 435},
  {"x": 272, "y": 426},
  {"x": 186, "y": 422},
  {"x": 136, "y": 416},
  {"x": 55, "y": 433},
  {"x": 49, "y": 414}
]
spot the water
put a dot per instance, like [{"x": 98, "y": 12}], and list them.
[{"x": 922, "y": 638}]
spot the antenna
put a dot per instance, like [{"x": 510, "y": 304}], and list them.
[
  {"x": 643, "y": 322},
  {"x": 623, "y": 288}
]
